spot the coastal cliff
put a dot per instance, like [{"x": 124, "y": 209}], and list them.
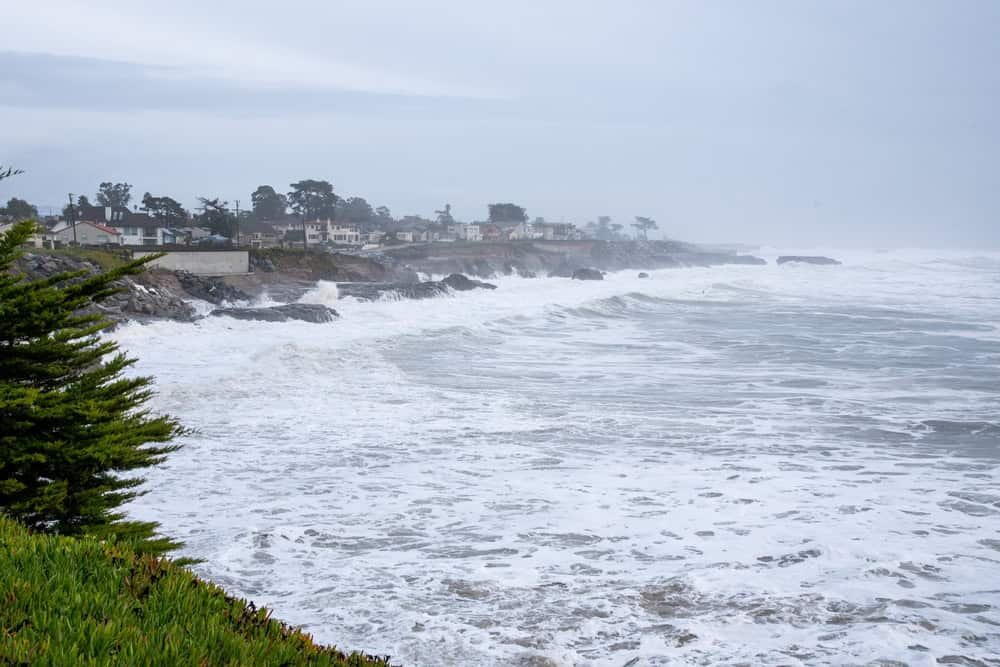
[
  {"x": 285, "y": 275},
  {"x": 540, "y": 258}
]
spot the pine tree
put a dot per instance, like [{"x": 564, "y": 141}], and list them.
[{"x": 72, "y": 424}]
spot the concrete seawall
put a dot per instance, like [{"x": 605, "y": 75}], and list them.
[{"x": 204, "y": 262}]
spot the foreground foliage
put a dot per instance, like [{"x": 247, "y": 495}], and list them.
[
  {"x": 72, "y": 424},
  {"x": 67, "y": 601}
]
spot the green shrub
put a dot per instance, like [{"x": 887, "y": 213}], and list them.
[
  {"x": 66, "y": 601},
  {"x": 72, "y": 425}
]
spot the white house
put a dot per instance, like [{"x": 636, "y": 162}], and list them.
[
  {"x": 473, "y": 232},
  {"x": 344, "y": 235},
  {"x": 87, "y": 233},
  {"x": 143, "y": 230}
]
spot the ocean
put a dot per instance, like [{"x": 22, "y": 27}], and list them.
[{"x": 751, "y": 465}]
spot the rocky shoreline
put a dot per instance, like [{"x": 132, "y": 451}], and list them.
[
  {"x": 487, "y": 260},
  {"x": 285, "y": 275}
]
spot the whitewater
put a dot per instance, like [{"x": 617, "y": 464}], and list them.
[{"x": 741, "y": 465}]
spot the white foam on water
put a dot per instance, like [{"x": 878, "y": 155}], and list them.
[{"x": 739, "y": 464}]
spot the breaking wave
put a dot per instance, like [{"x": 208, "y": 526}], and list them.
[{"x": 728, "y": 465}]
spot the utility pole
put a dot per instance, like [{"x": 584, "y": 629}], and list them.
[
  {"x": 72, "y": 217},
  {"x": 237, "y": 223}
]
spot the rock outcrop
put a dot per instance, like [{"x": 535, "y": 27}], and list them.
[
  {"x": 643, "y": 274},
  {"x": 141, "y": 297},
  {"x": 485, "y": 259},
  {"x": 306, "y": 312},
  {"x": 213, "y": 290},
  {"x": 424, "y": 290},
  {"x": 806, "y": 259},
  {"x": 461, "y": 283}
]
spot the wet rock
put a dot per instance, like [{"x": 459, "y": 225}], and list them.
[
  {"x": 790, "y": 559},
  {"x": 424, "y": 290},
  {"x": 461, "y": 283},
  {"x": 587, "y": 274},
  {"x": 213, "y": 290},
  {"x": 306, "y": 312},
  {"x": 806, "y": 259}
]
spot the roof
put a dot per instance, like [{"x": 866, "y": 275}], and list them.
[
  {"x": 118, "y": 216},
  {"x": 106, "y": 230},
  {"x": 256, "y": 227},
  {"x": 68, "y": 226}
]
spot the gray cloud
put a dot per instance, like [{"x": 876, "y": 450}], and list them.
[{"x": 794, "y": 122}]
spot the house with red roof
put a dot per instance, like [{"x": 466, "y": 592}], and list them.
[{"x": 86, "y": 233}]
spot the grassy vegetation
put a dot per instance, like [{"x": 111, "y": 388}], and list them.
[
  {"x": 67, "y": 601},
  {"x": 106, "y": 259}
]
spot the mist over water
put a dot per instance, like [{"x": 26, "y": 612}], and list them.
[{"x": 740, "y": 464}]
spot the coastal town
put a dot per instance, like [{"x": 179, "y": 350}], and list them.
[{"x": 311, "y": 215}]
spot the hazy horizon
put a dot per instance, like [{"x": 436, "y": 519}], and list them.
[{"x": 786, "y": 124}]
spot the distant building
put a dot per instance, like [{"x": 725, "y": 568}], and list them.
[
  {"x": 134, "y": 228},
  {"x": 344, "y": 235},
  {"x": 258, "y": 234},
  {"x": 86, "y": 233},
  {"x": 557, "y": 231},
  {"x": 473, "y": 232},
  {"x": 490, "y": 232},
  {"x": 520, "y": 231}
]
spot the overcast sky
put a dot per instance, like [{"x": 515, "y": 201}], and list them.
[{"x": 792, "y": 123}]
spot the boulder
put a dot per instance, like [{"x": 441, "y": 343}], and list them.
[
  {"x": 424, "y": 290},
  {"x": 805, "y": 259},
  {"x": 213, "y": 290},
  {"x": 461, "y": 283},
  {"x": 306, "y": 312},
  {"x": 587, "y": 274},
  {"x": 643, "y": 274}
]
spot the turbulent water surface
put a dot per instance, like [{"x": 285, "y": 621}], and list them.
[{"x": 792, "y": 465}]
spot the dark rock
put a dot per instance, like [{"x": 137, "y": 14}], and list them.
[
  {"x": 460, "y": 283},
  {"x": 213, "y": 290},
  {"x": 306, "y": 312},
  {"x": 587, "y": 274},
  {"x": 643, "y": 275},
  {"x": 424, "y": 290},
  {"x": 804, "y": 259},
  {"x": 258, "y": 263}
]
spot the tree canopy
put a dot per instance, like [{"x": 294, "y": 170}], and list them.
[
  {"x": 19, "y": 209},
  {"x": 643, "y": 225},
  {"x": 114, "y": 194},
  {"x": 216, "y": 216},
  {"x": 166, "y": 209},
  {"x": 355, "y": 211},
  {"x": 268, "y": 204},
  {"x": 72, "y": 210},
  {"x": 313, "y": 199},
  {"x": 73, "y": 425},
  {"x": 501, "y": 213}
]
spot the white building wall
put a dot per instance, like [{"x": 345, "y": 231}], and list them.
[{"x": 206, "y": 263}]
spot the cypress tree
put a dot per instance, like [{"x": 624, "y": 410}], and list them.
[{"x": 72, "y": 424}]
